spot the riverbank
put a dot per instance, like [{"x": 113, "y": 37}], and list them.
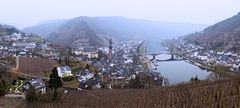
[
  {"x": 225, "y": 72},
  {"x": 142, "y": 56},
  {"x": 175, "y": 70},
  {"x": 150, "y": 65},
  {"x": 196, "y": 63}
]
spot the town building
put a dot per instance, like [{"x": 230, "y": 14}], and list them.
[
  {"x": 37, "y": 84},
  {"x": 90, "y": 52},
  {"x": 64, "y": 71}
]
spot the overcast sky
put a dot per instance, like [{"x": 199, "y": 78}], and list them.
[{"x": 30, "y": 12}]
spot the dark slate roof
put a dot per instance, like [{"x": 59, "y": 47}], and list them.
[
  {"x": 89, "y": 83},
  {"x": 155, "y": 74},
  {"x": 90, "y": 49},
  {"x": 37, "y": 83}
]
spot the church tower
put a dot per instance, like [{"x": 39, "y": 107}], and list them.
[{"x": 110, "y": 50}]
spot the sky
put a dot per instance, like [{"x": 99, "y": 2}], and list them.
[{"x": 24, "y": 13}]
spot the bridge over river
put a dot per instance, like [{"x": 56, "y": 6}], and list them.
[{"x": 172, "y": 58}]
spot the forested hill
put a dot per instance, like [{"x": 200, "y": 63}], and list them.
[
  {"x": 119, "y": 28},
  {"x": 7, "y": 30},
  {"x": 224, "y": 35}
]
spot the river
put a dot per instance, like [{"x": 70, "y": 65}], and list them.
[{"x": 175, "y": 71}]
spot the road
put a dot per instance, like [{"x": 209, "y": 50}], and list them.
[
  {"x": 143, "y": 57},
  {"x": 18, "y": 87}
]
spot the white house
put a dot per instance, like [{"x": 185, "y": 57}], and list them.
[
  {"x": 1, "y": 47},
  {"x": 78, "y": 52},
  {"x": 91, "y": 52},
  {"x": 30, "y": 45},
  {"x": 204, "y": 58},
  {"x": 129, "y": 60},
  {"x": 64, "y": 71},
  {"x": 37, "y": 84},
  {"x": 83, "y": 77}
]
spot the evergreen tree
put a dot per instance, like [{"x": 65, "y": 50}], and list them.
[
  {"x": 135, "y": 83},
  {"x": 3, "y": 87},
  {"x": 55, "y": 82},
  {"x": 66, "y": 61},
  {"x": 87, "y": 67},
  {"x": 196, "y": 78},
  {"x": 60, "y": 60}
]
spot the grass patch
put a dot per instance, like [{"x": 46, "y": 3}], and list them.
[
  {"x": 71, "y": 84},
  {"x": 17, "y": 87},
  {"x": 68, "y": 78}
]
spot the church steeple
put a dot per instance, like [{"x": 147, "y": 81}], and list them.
[
  {"x": 110, "y": 50},
  {"x": 110, "y": 43}
]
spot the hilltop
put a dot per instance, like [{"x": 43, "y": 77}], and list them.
[
  {"x": 45, "y": 28},
  {"x": 7, "y": 29},
  {"x": 97, "y": 29}
]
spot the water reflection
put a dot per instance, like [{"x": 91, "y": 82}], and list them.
[
  {"x": 176, "y": 71},
  {"x": 163, "y": 57},
  {"x": 180, "y": 71}
]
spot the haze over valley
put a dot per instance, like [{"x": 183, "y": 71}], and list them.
[
  {"x": 118, "y": 54},
  {"x": 118, "y": 28}
]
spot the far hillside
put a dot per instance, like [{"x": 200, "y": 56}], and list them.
[
  {"x": 224, "y": 35},
  {"x": 7, "y": 30},
  {"x": 98, "y": 29}
]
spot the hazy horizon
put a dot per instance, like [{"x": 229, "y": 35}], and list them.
[{"x": 30, "y": 12}]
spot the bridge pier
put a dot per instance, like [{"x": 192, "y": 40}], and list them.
[{"x": 172, "y": 56}]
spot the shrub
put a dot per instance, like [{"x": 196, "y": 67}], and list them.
[
  {"x": 2, "y": 91},
  {"x": 3, "y": 87},
  {"x": 68, "y": 78},
  {"x": 31, "y": 95}
]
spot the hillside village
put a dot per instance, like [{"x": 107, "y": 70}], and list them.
[
  {"x": 81, "y": 66},
  {"x": 85, "y": 66},
  {"x": 227, "y": 59},
  {"x": 119, "y": 61},
  {"x": 22, "y": 44}
]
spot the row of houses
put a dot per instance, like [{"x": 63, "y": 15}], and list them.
[
  {"x": 222, "y": 58},
  {"x": 118, "y": 72},
  {"x": 37, "y": 70},
  {"x": 14, "y": 37},
  {"x": 89, "y": 51},
  {"x": 115, "y": 73},
  {"x": 40, "y": 86},
  {"x": 19, "y": 44}
]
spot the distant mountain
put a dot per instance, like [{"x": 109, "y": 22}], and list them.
[
  {"x": 45, "y": 28},
  {"x": 229, "y": 25},
  {"x": 224, "y": 35},
  {"x": 118, "y": 28},
  {"x": 51, "y": 21},
  {"x": 74, "y": 30},
  {"x": 19, "y": 26}
]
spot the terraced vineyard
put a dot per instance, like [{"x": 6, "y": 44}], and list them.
[{"x": 204, "y": 94}]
